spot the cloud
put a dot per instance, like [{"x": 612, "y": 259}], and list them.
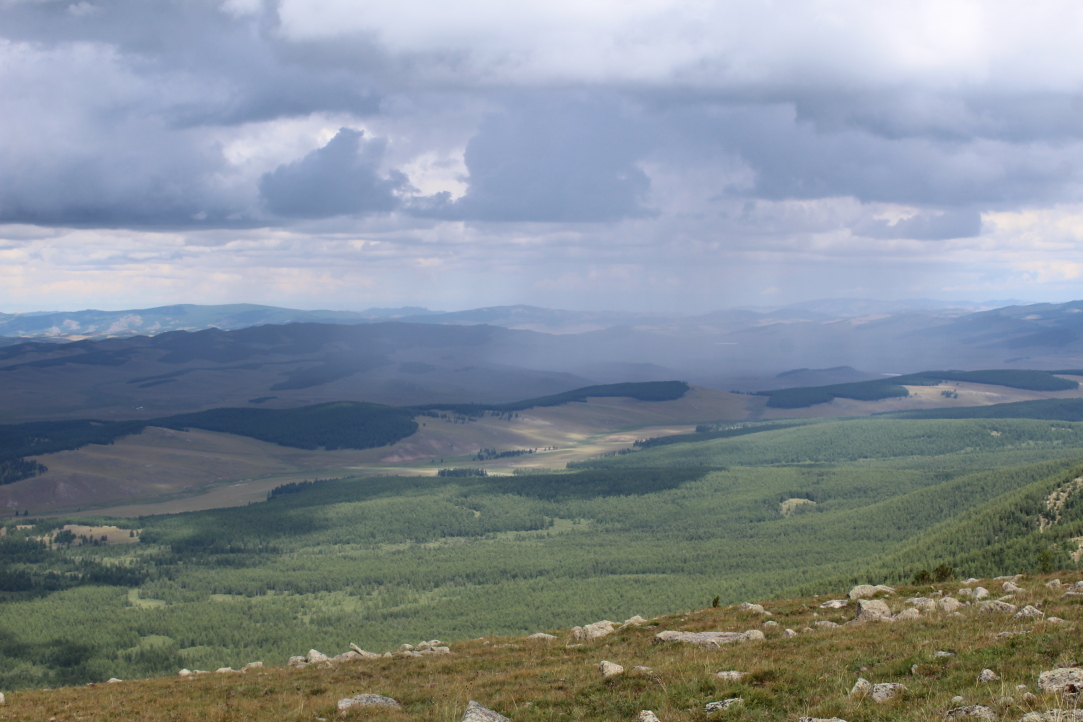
[
  {"x": 340, "y": 178},
  {"x": 925, "y": 226}
]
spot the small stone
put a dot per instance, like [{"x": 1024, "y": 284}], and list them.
[
  {"x": 835, "y": 604},
  {"x": 988, "y": 675},
  {"x": 223, "y": 670},
  {"x": 647, "y": 715},
  {"x": 948, "y": 604},
  {"x": 907, "y": 614},
  {"x": 1054, "y": 620},
  {"x": 1053, "y": 584},
  {"x": 965, "y": 592},
  {"x": 789, "y": 633},
  {"x": 609, "y": 669},
  {"x": 402, "y": 648},
  {"x": 367, "y": 700},
  {"x": 730, "y": 675},
  {"x": 826, "y": 624},
  {"x": 886, "y": 691},
  {"x": 940, "y": 654},
  {"x": 1029, "y": 612},
  {"x": 922, "y": 603},
  {"x": 476, "y": 713},
  {"x": 957, "y": 700},
  {"x": 363, "y": 653},
  {"x": 997, "y": 606},
  {"x": 594, "y": 631},
  {"x": 1054, "y": 715},
  {"x": 974, "y": 710},
  {"x": 644, "y": 671},
  {"x": 770, "y": 623},
  {"x": 1011, "y": 588},
  {"x": 861, "y": 687},
  {"x": 722, "y": 705},
  {"x": 972, "y": 580},
  {"x": 113, "y": 680},
  {"x": 252, "y": 665},
  {"x": 980, "y": 592},
  {"x": 1029, "y": 698},
  {"x": 1020, "y": 688}
]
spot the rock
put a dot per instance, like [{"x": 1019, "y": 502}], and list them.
[
  {"x": 1054, "y": 715},
  {"x": 184, "y": 673},
  {"x": 789, "y": 633},
  {"x": 922, "y": 603},
  {"x": 820, "y": 719},
  {"x": 541, "y": 635},
  {"x": 402, "y": 648},
  {"x": 754, "y": 608},
  {"x": 633, "y": 622},
  {"x": 980, "y": 593},
  {"x": 1011, "y": 588},
  {"x": 988, "y": 675},
  {"x": 974, "y": 710},
  {"x": 835, "y": 604},
  {"x": 972, "y": 580},
  {"x": 314, "y": 657},
  {"x": 940, "y": 654},
  {"x": 367, "y": 700},
  {"x": 1053, "y": 584},
  {"x": 957, "y": 700},
  {"x": 868, "y": 590},
  {"x": 1029, "y": 611},
  {"x": 722, "y": 705},
  {"x": 886, "y": 691},
  {"x": 710, "y": 640},
  {"x": 1063, "y": 680},
  {"x": 861, "y": 687},
  {"x": 252, "y": 665},
  {"x": 593, "y": 631},
  {"x": 965, "y": 592},
  {"x": 770, "y": 623},
  {"x": 948, "y": 604},
  {"x": 1076, "y": 587},
  {"x": 641, "y": 670},
  {"x": 1009, "y": 578},
  {"x": 609, "y": 669},
  {"x": 224, "y": 670},
  {"x": 476, "y": 713},
  {"x": 731, "y": 675},
  {"x": 113, "y": 680},
  {"x": 346, "y": 657},
  {"x": 1029, "y": 698},
  {"x": 2, "y": 700},
  {"x": 907, "y": 614},
  {"x": 441, "y": 650},
  {"x": 647, "y": 716},
  {"x": 826, "y": 624},
  {"x": 872, "y": 610},
  {"x": 363, "y": 653},
  {"x": 997, "y": 606},
  {"x": 1054, "y": 620},
  {"x": 386, "y": 655},
  {"x": 577, "y": 633}
]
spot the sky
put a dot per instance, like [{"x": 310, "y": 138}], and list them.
[{"x": 647, "y": 155}]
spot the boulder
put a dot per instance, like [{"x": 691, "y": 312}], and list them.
[
  {"x": 609, "y": 669},
  {"x": 922, "y": 603},
  {"x": 368, "y": 700},
  {"x": 754, "y": 608},
  {"x": 770, "y": 623},
  {"x": 972, "y": 580},
  {"x": 861, "y": 687},
  {"x": 476, "y": 713},
  {"x": 820, "y": 719},
  {"x": 633, "y": 622},
  {"x": 868, "y": 590},
  {"x": 1076, "y": 587},
  {"x": 1054, "y": 715},
  {"x": 988, "y": 675},
  {"x": 974, "y": 710},
  {"x": 113, "y": 680},
  {"x": 541, "y": 635},
  {"x": 789, "y": 633},
  {"x": 224, "y": 670},
  {"x": 710, "y": 640},
  {"x": 1008, "y": 578},
  {"x": 1063, "y": 680},
  {"x": 722, "y": 705},
  {"x": 184, "y": 673},
  {"x": 1054, "y": 620},
  {"x": 1029, "y": 612},
  {"x": 835, "y": 604},
  {"x": 363, "y": 653},
  {"x": 965, "y": 592},
  {"x": 948, "y": 604},
  {"x": 346, "y": 657},
  {"x": 886, "y": 691},
  {"x": 251, "y": 666},
  {"x": 577, "y": 632},
  {"x": 907, "y": 614},
  {"x": 641, "y": 670},
  {"x": 315, "y": 657},
  {"x": 730, "y": 675},
  {"x": 593, "y": 631},
  {"x": 872, "y": 610},
  {"x": 997, "y": 606},
  {"x": 1053, "y": 584},
  {"x": 647, "y": 715},
  {"x": 405, "y": 648},
  {"x": 827, "y": 624},
  {"x": 980, "y": 593},
  {"x": 1011, "y": 588}
]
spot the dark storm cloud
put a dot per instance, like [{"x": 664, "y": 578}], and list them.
[{"x": 340, "y": 178}]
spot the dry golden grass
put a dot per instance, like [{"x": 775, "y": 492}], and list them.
[{"x": 524, "y": 679}]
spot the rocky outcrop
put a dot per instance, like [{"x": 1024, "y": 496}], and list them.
[
  {"x": 722, "y": 705},
  {"x": 907, "y": 615},
  {"x": 948, "y": 604},
  {"x": 980, "y": 593},
  {"x": 997, "y": 606},
  {"x": 362, "y": 653},
  {"x": 872, "y": 610},
  {"x": 1063, "y": 680},
  {"x": 476, "y": 713},
  {"x": 835, "y": 604},
  {"x": 974, "y": 710},
  {"x": 593, "y": 631},
  {"x": 869, "y": 590},
  {"x": 886, "y": 691},
  {"x": 1029, "y": 612},
  {"x": 368, "y": 700},
  {"x": 710, "y": 640},
  {"x": 646, "y": 715},
  {"x": 541, "y": 635},
  {"x": 922, "y": 603},
  {"x": 1054, "y": 715}
]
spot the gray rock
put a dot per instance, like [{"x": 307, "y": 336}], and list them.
[
  {"x": 184, "y": 673},
  {"x": 957, "y": 700},
  {"x": 861, "y": 687},
  {"x": 1053, "y": 584},
  {"x": 1011, "y": 588},
  {"x": 1029, "y": 612},
  {"x": 363, "y": 653},
  {"x": 886, "y": 691},
  {"x": 641, "y": 670},
  {"x": 113, "y": 680},
  {"x": 1054, "y": 715},
  {"x": 647, "y": 715},
  {"x": 1076, "y": 587},
  {"x": 224, "y": 670},
  {"x": 297, "y": 662},
  {"x": 633, "y": 622},
  {"x": 922, "y": 603},
  {"x": 980, "y": 593},
  {"x": 1008, "y": 578},
  {"x": 820, "y": 719},
  {"x": 965, "y": 592},
  {"x": 974, "y": 710},
  {"x": 476, "y": 713},
  {"x": 941, "y": 654},
  {"x": 868, "y": 590},
  {"x": 1063, "y": 680},
  {"x": 1054, "y": 620},
  {"x": 314, "y": 657},
  {"x": 972, "y": 580},
  {"x": 872, "y": 610},
  {"x": 997, "y": 606},
  {"x": 826, "y": 624},
  {"x": 754, "y": 608},
  {"x": 367, "y": 700},
  {"x": 789, "y": 633},
  {"x": 609, "y": 669},
  {"x": 948, "y": 604},
  {"x": 346, "y": 657},
  {"x": 594, "y": 631},
  {"x": 252, "y": 665},
  {"x": 541, "y": 635},
  {"x": 710, "y": 640},
  {"x": 722, "y": 705},
  {"x": 770, "y": 623},
  {"x": 907, "y": 614},
  {"x": 835, "y": 604},
  {"x": 730, "y": 675},
  {"x": 988, "y": 675}
]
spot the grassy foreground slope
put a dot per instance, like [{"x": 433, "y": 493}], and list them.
[
  {"x": 380, "y": 561},
  {"x": 538, "y": 680}
]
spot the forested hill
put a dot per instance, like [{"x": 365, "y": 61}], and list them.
[
  {"x": 1047, "y": 409},
  {"x": 895, "y": 386},
  {"x": 642, "y": 391}
]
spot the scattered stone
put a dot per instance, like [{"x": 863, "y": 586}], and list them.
[
  {"x": 1013, "y": 634},
  {"x": 1011, "y": 588},
  {"x": 789, "y": 633},
  {"x": 710, "y": 640},
  {"x": 886, "y": 691},
  {"x": 1054, "y": 715},
  {"x": 541, "y": 635},
  {"x": 1053, "y": 584},
  {"x": 972, "y": 580},
  {"x": 861, "y": 687},
  {"x": 224, "y": 670},
  {"x": 754, "y": 608},
  {"x": 1076, "y": 587},
  {"x": 363, "y": 653},
  {"x": 948, "y": 604},
  {"x": 252, "y": 665},
  {"x": 1063, "y": 680},
  {"x": 644, "y": 671},
  {"x": 770, "y": 623},
  {"x": 593, "y": 631},
  {"x": 872, "y": 610},
  {"x": 386, "y": 655},
  {"x": 922, "y": 602},
  {"x": 988, "y": 675},
  {"x": 184, "y": 673},
  {"x": 476, "y": 713},
  {"x": 609, "y": 669},
  {"x": 113, "y": 680},
  {"x": 957, "y": 700},
  {"x": 835, "y": 604},
  {"x": 1029, "y": 698},
  {"x": 1029, "y": 611},
  {"x": 647, "y": 716},
  {"x": 965, "y": 592},
  {"x": 826, "y": 624},
  {"x": 633, "y": 622},
  {"x": 722, "y": 705},
  {"x": 940, "y": 654},
  {"x": 997, "y": 606},
  {"x": 980, "y": 593},
  {"x": 974, "y": 710},
  {"x": 1009, "y": 578},
  {"x": 906, "y": 614},
  {"x": 1054, "y": 620},
  {"x": 868, "y": 590},
  {"x": 2, "y": 701},
  {"x": 820, "y": 719},
  {"x": 402, "y": 648},
  {"x": 367, "y": 700},
  {"x": 731, "y": 675},
  {"x": 314, "y": 657}
]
